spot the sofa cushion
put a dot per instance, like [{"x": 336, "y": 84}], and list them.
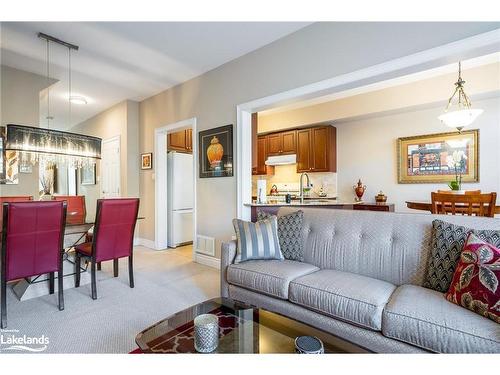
[
  {"x": 447, "y": 243},
  {"x": 257, "y": 240},
  {"x": 424, "y": 318},
  {"x": 289, "y": 233},
  {"x": 343, "y": 295},
  {"x": 475, "y": 283},
  {"x": 271, "y": 277}
]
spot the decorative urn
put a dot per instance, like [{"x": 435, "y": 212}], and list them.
[
  {"x": 214, "y": 153},
  {"x": 359, "y": 189},
  {"x": 380, "y": 197}
]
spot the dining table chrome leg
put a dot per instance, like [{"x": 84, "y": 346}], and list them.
[{"x": 60, "y": 289}]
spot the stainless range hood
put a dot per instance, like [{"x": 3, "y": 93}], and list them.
[{"x": 281, "y": 160}]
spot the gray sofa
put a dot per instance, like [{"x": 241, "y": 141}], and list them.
[{"x": 361, "y": 280}]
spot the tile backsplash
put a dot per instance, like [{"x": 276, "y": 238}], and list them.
[{"x": 286, "y": 178}]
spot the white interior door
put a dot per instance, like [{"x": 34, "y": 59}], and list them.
[
  {"x": 72, "y": 181},
  {"x": 110, "y": 168}
]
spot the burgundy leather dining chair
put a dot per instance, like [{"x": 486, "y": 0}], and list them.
[
  {"x": 76, "y": 211},
  {"x": 113, "y": 238},
  {"x": 32, "y": 245},
  {"x": 16, "y": 198}
]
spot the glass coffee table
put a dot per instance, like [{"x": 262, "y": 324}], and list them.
[{"x": 242, "y": 329}]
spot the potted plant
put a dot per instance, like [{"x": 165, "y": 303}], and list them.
[{"x": 456, "y": 161}]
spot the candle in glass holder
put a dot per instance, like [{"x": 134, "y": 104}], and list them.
[{"x": 206, "y": 333}]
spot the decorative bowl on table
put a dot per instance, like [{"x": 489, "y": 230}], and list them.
[
  {"x": 380, "y": 197},
  {"x": 309, "y": 345}
]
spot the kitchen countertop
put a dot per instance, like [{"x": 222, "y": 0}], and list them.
[{"x": 307, "y": 202}]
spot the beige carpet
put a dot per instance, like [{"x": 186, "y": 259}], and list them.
[{"x": 165, "y": 282}]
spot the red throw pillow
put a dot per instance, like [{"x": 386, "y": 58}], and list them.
[{"x": 475, "y": 281}]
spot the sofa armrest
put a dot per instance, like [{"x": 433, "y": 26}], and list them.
[{"x": 227, "y": 255}]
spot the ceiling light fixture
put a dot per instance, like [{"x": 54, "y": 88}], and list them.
[
  {"x": 49, "y": 146},
  {"x": 76, "y": 99},
  {"x": 460, "y": 114}
]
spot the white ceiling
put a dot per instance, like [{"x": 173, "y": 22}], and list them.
[
  {"x": 128, "y": 60},
  {"x": 493, "y": 58}
]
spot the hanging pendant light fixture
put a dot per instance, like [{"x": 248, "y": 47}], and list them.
[
  {"x": 459, "y": 113},
  {"x": 49, "y": 146}
]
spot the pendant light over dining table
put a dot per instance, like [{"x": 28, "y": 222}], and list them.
[
  {"x": 49, "y": 146},
  {"x": 459, "y": 112}
]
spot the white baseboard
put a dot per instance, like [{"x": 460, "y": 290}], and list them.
[
  {"x": 138, "y": 241},
  {"x": 207, "y": 260}
]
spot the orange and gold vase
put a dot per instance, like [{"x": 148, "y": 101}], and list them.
[
  {"x": 359, "y": 189},
  {"x": 214, "y": 153}
]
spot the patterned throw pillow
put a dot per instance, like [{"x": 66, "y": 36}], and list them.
[
  {"x": 447, "y": 243},
  {"x": 289, "y": 233},
  {"x": 257, "y": 240},
  {"x": 475, "y": 282}
]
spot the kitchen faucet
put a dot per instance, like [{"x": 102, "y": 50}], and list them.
[{"x": 302, "y": 186}]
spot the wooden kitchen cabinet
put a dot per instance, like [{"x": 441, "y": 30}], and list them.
[
  {"x": 189, "y": 140},
  {"x": 181, "y": 141},
  {"x": 282, "y": 143},
  {"x": 255, "y": 122},
  {"x": 303, "y": 150},
  {"x": 289, "y": 142},
  {"x": 261, "y": 167},
  {"x": 317, "y": 149}
]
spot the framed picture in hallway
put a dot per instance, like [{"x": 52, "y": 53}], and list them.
[
  {"x": 87, "y": 175},
  {"x": 216, "y": 152},
  {"x": 438, "y": 158},
  {"x": 147, "y": 161}
]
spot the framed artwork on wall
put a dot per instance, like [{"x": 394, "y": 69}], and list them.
[
  {"x": 25, "y": 168},
  {"x": 216, "y": 152},
  {"x": 87, "y": 175},
  {"x": 437, "y": 158},
  {"x": 147, "y": 160}
]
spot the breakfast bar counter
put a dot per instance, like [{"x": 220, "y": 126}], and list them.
[{"x": 272, "y": 207}]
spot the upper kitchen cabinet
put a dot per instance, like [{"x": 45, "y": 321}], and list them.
[
  {"x": 181, "y": 141},
  {"x": 189, "y": 140},
  {"x": 282, "y": 143},
  {"x": 261, "y": 167},
  {"x": 317, "y": 149}
]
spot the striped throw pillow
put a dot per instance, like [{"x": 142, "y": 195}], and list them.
[{"x": 257, "y": 240}]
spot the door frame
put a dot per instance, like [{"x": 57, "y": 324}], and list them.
[
  {"x": 467, "y": 48},
  {"x": 161, "y": 180},
  {"x": 109, "y": 140}
]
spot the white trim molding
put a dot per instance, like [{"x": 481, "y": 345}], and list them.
[
  {"x": 207, "y": 260},
  {"x": 138, "y": 241},
  {"x": 474, "y": 46}
]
